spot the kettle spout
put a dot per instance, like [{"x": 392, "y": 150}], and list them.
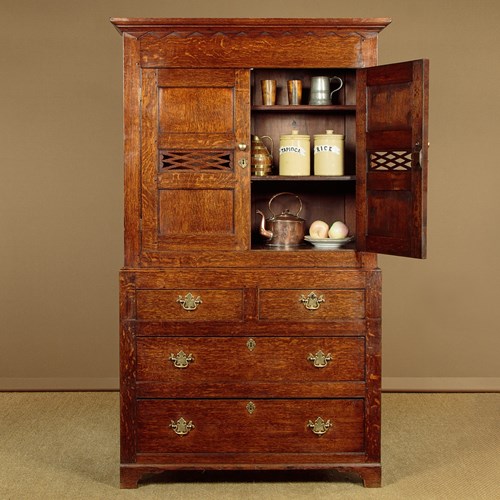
[{"x": 263, "y": 230}]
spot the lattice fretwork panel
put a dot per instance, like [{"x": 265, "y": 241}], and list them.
[
  {"x": 389, "y": 160},
  {"x": 196, "y": 160}
]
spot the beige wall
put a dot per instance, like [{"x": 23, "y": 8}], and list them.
[{"x": 61, "y": 189}]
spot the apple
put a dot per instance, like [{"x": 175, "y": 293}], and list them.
[
  {"x": 338, "y": 230},
  {"x": 319, "y": 229}
]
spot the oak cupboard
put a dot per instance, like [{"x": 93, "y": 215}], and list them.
[{"x": 235, "y": 354}]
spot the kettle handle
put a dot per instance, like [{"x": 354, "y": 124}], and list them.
[{"x": 280, "y": 194}]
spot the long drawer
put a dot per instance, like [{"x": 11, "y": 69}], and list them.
[
  {"x": 198, "y": 366},
  {"x": 221, "y": 359},
  {"x": 259, "y": 426}
]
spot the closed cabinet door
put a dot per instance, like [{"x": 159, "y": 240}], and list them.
[{"x": 194, "y": 157}]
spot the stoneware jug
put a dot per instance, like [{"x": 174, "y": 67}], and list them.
[
  {"x": 328, "y": 154},
  {"x": 295, "y": 154}
]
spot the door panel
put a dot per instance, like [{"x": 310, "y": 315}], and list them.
[
  {"x": 385, "y": 104},
  {"x": 214, "y": 209},
  {"x": 196, "y": 110},
  {"x": 392, "y": 158},
  {"x": 193, "y": 185}
]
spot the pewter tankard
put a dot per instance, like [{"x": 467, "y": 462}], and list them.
[{"x": 321, "y": 94}]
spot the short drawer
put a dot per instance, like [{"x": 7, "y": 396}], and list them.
[
  {"x": 307, "y": 305},
  {"x": 190, "y": 305},
  {"x": 250, "y": 426},
  {"x": 197, "y": 366}
]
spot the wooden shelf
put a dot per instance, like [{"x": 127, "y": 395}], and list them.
[
  {"x": 304, "y": 108},
  {"x": 262, "y": 247},
  {"x": 301, "y": 178}
]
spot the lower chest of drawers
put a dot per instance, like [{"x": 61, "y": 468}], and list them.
[{"x": 248, "y": 370}]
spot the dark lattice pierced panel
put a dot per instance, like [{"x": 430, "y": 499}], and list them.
[
  {"x": 196, "y": 160},
  {"x": 389, "y": 160}
]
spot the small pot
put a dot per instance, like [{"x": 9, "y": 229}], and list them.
[{"x": 285, "y": 229}]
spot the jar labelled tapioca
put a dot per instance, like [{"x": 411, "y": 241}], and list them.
[
  {"x": 329, "y": 154},
  {"x": 295, "y": 154}
]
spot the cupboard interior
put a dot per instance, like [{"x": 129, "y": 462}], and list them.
[{"x": 325, "y": 198}]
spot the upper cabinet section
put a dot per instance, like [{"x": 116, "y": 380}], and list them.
[
  {"x": 182, "y": 43},
  {"x": 194, "y": 108}
]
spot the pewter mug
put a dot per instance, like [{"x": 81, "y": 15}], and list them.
[{"x": 321, "y": 94}]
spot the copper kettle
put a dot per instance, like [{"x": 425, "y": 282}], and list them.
[{"x": 285, "y": 229}]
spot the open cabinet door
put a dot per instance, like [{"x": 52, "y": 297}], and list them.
[{"x": 391, "y": 170}]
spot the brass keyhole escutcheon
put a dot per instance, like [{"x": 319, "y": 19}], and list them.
[
  {"x": 320, "y": 359},
  {"x": 251, "y": 344},
  {"x": 189, "y": 302},
  {"x": 181, "y": 359},
  {"x": 319, "y": 426},
  {"x": 312, "y": 301},
  {"x": 251, "y": 407}
]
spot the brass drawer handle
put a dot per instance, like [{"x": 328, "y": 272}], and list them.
[
  {"x": 189, "y": 302},
  {"x": 320, "y": 359},
  {"x": 312, "y": 301},
  {"x": 319, "y": 426},
  {"x": 181, "y": 359},
  {"x": 181, "y": 427}
]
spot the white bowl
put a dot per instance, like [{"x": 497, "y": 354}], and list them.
[{"x": 328, "y": 242}]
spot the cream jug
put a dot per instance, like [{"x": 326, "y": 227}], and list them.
[
  {"x": 329, "y": 154},
  {"x": 261, "y": 159},
  {"x": 295, "y": 154}
]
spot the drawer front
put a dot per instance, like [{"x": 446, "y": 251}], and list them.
[
  {"x": 235, "y": 426},
  {"x": 199, "y": 360},
  {"x": 190, "y": 305},
  {"x": 307, "y": 305}
]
